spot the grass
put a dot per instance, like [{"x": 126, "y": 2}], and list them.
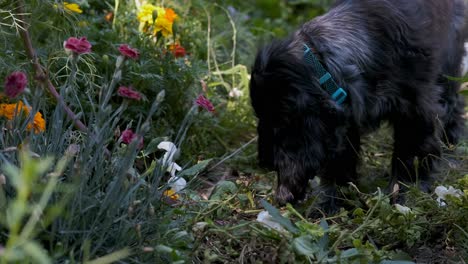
[{"x": 83, "y": 195}]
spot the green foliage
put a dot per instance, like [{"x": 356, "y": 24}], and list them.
[{"x": 71, "y": 195}]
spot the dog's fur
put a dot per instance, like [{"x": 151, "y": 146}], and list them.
[{"x": 391, "y": 57}]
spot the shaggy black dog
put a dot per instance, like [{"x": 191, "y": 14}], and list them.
[{"x": 390, "y": 57}]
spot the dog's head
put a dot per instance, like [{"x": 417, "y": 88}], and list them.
[{"x": 297, "y": 120}]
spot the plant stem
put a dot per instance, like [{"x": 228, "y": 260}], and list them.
[{"x": 40, "y": 74}]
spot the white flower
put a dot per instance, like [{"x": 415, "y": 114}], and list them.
[
  {"x": 265, "y": 218},
  {"x": 170, "y": 149},
  {"x": 235, "y": 93},
  {"x": 442, "y": 192},
  {"x": 402, "y": 209},
  {"x": 177, "y": 183}
]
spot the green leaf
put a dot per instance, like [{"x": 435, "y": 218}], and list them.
[
  {"x": 304, "y": 246},
  {"x": 153, "y": 145},
  {"x": 112, "y": 257},
  {"x": 276, "y": 215},
  {"x": 222, "y": 188},
  {"x": 195, "y": 169},
  {"x": 349, "y": 253},
  {"x": 36, "y": 253}
]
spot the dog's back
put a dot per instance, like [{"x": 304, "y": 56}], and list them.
[{"x": 391, "y": 57}]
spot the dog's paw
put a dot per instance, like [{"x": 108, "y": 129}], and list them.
[{"x": 284, "y": 195}]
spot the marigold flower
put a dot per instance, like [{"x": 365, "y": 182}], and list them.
[
  {"x": 72, "y": 7},
  {"x": 77, "y": 45},
  {"x": 205, "y": 103},
  {"x": 161, "y": 18},
  {"x": 15, "y": 83},
  {"x": 10, "y": 111},
  {"x": 129, "y": 92},
  {"x": 164, "y": 21},
  {"x": 38, "y": 124},
  {"x": 177, "y": 50},
  {"x": 128, "y": 136},
  {"x": 146, "y": 14},
  {"x": 129, "y": 52}
]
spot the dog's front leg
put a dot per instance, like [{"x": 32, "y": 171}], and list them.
[
  {"x": 340, "y": 170},
  {"x": 416, "y": 148}
]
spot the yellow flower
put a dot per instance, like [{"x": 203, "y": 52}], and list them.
[
  {"x": 10, "y": 111},
  {"x": 164, "y": 21},
  {"x": 161, "y": 23},
  {"x": 146, "y": 14},
  {"x": 72, "y": 7},
  {"x": 171, "y": 194}
]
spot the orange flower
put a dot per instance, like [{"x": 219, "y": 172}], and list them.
[
  {"x": 10, "y": 111},
  {"x": 170, "y": 15}
]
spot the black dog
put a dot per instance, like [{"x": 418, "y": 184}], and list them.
[{"x": 341, "y": 74}]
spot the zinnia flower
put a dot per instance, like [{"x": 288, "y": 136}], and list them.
[
  {"x": 205, "y": 103},
  {"x": 177, "y": 50},
  {"x": 129, "y": 52},
  {"x": 129, "y": 92},
  {"x": 10, "y": 111},
  {"x": 128, "y": 136},
  {"x": 15, "y": 83},
  {"x": 146, "y": 14},
  {"x": 77, "y": 45}
]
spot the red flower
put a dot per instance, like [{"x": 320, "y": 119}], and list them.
[
  {"x": 77, "y": 45},
  {"x": 128, "y": 136},
  {"x": 205, "y": 103},
  {"x": 128, "y": 52},
  {"x": 15, "y": 84},
  {"x": 129, "y": 92},
  {"x": 177, "y": 50}
]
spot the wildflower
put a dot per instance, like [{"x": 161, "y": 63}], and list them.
[
  {"x": 10, "y": 111},
  {"x": 72, "y": 7},
  {"x": 77, "y": 45},
  {"x": 15, "y": 83},
  {"x": 442, "y": 192},
  {"x": 128, "y": 136},
  {"x": 168, "y": 157},
  {"x": 265, "y": 218},
  {"x": 205, "y": 103},
  {"x": 129, "y": 92},
  {"x": 235, "y": 93},
  {"x": 177, "y": 50},
  {"x": 171, "y": 194},
  {"x": 129, "y": 52},
  {"x": 402, "y": 209},
  {"x": 177, "y": 183}
]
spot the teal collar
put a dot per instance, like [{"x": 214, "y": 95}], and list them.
[{"x": 325, "y": 79}]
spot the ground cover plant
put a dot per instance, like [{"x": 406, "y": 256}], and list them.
[{"x": 127, "y": 136}]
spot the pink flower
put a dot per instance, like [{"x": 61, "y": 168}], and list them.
[
  {"x": 15, "y": 84},
  {"x": 128, "y": 52},
  {"x": 129, "y": 92},
  {"x": 205, "y": 103},
  {"x": 77, "y": 45},
  {"x": 128, "y": 137}
]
